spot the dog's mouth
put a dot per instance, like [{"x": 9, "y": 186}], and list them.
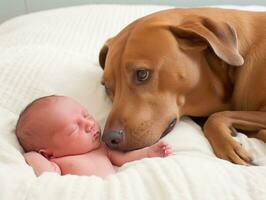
[{"x": 169, "y": 127}]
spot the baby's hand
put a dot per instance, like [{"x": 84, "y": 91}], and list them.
[
  {"x": 40, "y": 164},
  {"x": 159, "y": 149}
]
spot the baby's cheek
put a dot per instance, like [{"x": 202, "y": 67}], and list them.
[
  {"x": 97, "y": 143},
  {"x": 86, "y": 142}
]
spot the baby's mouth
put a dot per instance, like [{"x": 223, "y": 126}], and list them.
[{"x": 96, "y": 135}]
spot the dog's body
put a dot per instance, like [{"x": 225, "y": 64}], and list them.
[{"x": 196, "y": 62}]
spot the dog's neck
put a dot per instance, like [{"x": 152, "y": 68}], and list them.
[{"x": 213, "y": 93}]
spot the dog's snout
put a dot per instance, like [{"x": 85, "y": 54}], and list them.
[
  {"x": 113, "y": 138},
  {"x": 173, "y": 122},
  {"x": 169, "y": 127}
]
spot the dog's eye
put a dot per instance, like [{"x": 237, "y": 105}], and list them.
[
  {"x": 107, "y": 90},
  {"x": 142, "y": 74}
]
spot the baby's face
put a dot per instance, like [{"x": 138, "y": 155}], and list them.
[{"x": 73, "y": 130}]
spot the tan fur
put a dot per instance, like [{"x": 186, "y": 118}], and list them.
[{"x": 203, "y": 62}]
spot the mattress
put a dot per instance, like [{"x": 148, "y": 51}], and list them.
[{"x": 56, "y": 52}]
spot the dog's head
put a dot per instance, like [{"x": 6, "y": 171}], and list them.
[{"x": 153, "y": 72}]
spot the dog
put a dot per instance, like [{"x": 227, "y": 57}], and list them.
[{"x": 202, "y": 62}]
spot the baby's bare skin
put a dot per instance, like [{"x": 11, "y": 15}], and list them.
[
  {"x": 95, "y": 162},
  {"x": 68, "y": 141},
  {"x": 98, "y": 162}
]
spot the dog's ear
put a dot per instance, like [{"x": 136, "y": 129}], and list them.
[
  {"x": 103, "y": 53},
  {"x": 196, "y": 32}
]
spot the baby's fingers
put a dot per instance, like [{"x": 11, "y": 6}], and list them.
[
  {"x": 168, "y": 150},
  {"x": 162, "y": 144}
]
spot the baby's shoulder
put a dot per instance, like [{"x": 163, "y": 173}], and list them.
[
  {"x": 69, "y": 161},
  {"x": 92, "y": 155}
]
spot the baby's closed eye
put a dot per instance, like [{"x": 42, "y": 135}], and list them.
[{"x": 73, "y": 129}]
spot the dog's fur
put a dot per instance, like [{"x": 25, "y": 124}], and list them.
[{"x": 201, "y": 62}]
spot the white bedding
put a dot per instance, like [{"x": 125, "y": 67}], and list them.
[{"x": 56, "y": 52}]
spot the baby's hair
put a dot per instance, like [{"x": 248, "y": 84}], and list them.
[{"x": 25, "y": 137}]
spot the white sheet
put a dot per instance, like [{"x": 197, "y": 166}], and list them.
[{"x": 56, "y": 52}]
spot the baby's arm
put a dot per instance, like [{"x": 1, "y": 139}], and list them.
[
  {"x": 159, "y": 149},
  {"x": 40, "y": 164}
]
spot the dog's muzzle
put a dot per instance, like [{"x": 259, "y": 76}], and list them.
[
  {"x": 169, "y": 127},
  {"x": 113, "y": 138}
]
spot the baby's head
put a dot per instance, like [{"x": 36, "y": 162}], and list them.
[{"x": 57, "y": 126}]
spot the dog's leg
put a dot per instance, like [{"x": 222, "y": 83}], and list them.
[
  {"x": 218, "y": 130},
  {"x": 261, "y": 135}
]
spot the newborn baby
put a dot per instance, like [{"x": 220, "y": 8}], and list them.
[{"x": 59, "y": 135}]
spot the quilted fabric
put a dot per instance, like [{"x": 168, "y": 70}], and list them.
[{"x": 56, "y": 52}]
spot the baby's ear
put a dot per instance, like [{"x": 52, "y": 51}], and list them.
[{"x": 46, "y": 153}]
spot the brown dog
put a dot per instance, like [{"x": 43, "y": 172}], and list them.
[{"x": 196, "y": 62}]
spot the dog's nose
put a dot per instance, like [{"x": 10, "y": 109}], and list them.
[{"x": 113, "y": 138}]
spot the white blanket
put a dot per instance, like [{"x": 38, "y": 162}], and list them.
[{"x": 56, "y": 52}]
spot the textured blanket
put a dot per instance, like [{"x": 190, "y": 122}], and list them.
[{"x": 56, "y": 52}]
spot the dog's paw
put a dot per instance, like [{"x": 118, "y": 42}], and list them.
[
  {"x": 231, "y": 150},
  {"x": 217, "y": 130}
]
